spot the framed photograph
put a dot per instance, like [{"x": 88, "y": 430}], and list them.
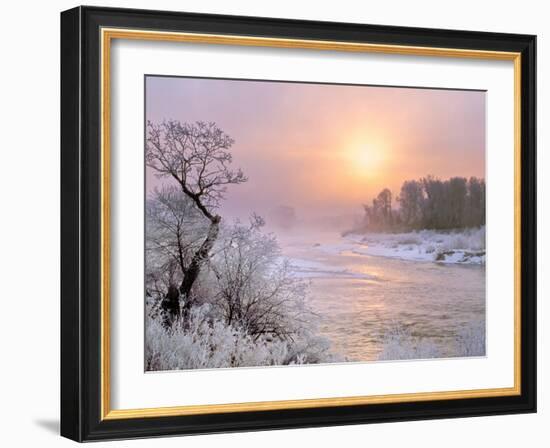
[{"x": 273, "y": 223}]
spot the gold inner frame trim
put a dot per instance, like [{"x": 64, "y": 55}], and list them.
[{"x": 107, "y": 35}]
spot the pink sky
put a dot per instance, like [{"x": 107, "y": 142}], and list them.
[{"x": 326, "y": 149}]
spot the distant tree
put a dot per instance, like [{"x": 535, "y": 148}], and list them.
[
  {"x": 429, "y": 203},
  {"x": 197, "y": 157},
  {"x": 411, "y": 203},
  {"x": 379, "y": 215},
  {"x": 384, "y": 199},
  {"x": 435, "y": 210},
  {"x": 457, "y": 192},
  {"x": 373, "y": 215},
  {"x": 283, "y": 216},
  {"x": 475, "y": 206}
]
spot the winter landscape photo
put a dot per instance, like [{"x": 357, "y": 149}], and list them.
[{"x": 292, "y": 223}]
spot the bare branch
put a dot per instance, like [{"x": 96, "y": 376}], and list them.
[{"x": 197, "y": 156}]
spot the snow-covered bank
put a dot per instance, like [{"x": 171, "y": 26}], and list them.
[{"x": 460, "y": 247}]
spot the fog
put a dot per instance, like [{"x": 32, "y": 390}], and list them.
[{"x": 321, "y": 151}]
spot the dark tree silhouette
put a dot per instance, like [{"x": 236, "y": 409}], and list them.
[
  {"x": 429, "y": 203},
  {"x": 197, "y": 156},
  {"x": 411, "y": 200}
]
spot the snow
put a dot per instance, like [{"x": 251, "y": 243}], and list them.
[
  {"x": 454, "y": 247},
  {"x": 325, "y": 257}
]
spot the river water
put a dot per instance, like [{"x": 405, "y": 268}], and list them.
[{"x": 359, "y": 297}]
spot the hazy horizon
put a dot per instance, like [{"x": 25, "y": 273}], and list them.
[{"x": 325, "y": 149}]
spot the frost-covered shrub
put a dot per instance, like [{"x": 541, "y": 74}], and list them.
[
  {"x": 457, "y": 241},
  {"x": 310, "y": 348},
  {"x": 399, "y": 343},
  {"x": 470, "y": 239},
  {"x": 409, "y": 238},
  {"x": 205, "y": 342},
  {"x": 477, "y": 239},
  {"x": 470, "y": 340},
  {"x": 253, "y": 286}
]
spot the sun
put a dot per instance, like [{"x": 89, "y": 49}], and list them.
[{"x": 366, "y": 159}]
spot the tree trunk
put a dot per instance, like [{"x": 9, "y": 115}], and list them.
[
  {"x": 192, "y": 272},
  {"x": 170, "y": 304}
]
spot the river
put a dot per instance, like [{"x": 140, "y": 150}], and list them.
[{"x": 359, "y": 297}]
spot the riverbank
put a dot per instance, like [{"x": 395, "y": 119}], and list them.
[
  {"x": 456, "y": 247},
  {"x": 373, "y": 304}
]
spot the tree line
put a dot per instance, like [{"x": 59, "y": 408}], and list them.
[{"x": 428, "y": 203}]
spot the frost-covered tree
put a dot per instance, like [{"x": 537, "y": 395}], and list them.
[
  {"x": 197, "y": 156},
  {"x": 175, "y": 230},
  {"x": 255, "y": 287}
]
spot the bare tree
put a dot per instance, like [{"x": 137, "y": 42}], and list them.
[
  {"x": 379, "y": 215},
  {"x": 256, "y": 288},
  {"x": 175, "y": 230},
  {"x": 197, "y": 156},
  {"x": 411, "y": 202}
]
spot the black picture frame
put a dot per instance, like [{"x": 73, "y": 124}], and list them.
[{"x": 81, "y": 224}]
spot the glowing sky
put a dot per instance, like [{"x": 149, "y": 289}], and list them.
[{"x": 327, "y": 149}]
